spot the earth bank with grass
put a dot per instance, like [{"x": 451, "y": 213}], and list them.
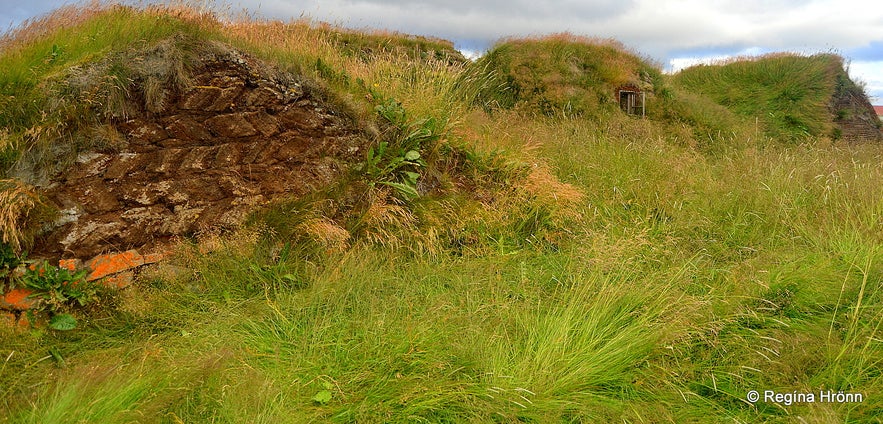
[{"x": 177, "y": 160}]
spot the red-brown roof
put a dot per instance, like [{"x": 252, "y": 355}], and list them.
[{"x": 879, "y": 110}]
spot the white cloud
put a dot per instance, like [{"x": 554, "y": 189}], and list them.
[
  {"x": 655, "y": 27},
  {"x": 871, "y": 75}
]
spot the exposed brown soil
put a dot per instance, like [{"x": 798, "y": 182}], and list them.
[{"x": 239, "y": 137}]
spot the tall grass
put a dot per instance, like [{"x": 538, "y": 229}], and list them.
[{"x": 580, "y": 351}]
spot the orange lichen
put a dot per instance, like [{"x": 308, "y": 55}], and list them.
[
  {"x": 17, "y": 299},
  {"x": 70, "y": 264},
  {"x": 104, "y": 265}
]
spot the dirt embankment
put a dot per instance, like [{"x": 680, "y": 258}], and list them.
[{"x": 239, "y": 136}]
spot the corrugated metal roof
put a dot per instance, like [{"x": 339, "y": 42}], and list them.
[{"x": 879, "y": 110}]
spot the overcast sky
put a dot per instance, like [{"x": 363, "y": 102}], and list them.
[{"x": 676, "y": 33}]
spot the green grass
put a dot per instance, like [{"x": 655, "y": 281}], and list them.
[
  {"x": 788, "y": 94},
  {"x": 584, "y": 270}
]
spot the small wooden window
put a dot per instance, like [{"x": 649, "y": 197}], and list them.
[{"x": 632, "y": 102}]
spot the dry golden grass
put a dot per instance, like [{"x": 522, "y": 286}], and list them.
[
  {"x": 543, "y": 185},
  {"x": 386, "y": 222},
  {"x": 326, "y": 232},
  {"x": 36, "y": 28},
  {"x": 18, "y": 203},
  {"x": 296, "y": 36},
  {"x": 567, "y": 37},
  {"x": 393, "y": 64},
  {"x": 5, "y": 140},
  {"x": 240, "y": 241}
]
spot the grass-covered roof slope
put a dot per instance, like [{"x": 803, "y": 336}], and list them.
[
  {"x": 794, "y": 97},
  {"x": 561, "y": 74}
]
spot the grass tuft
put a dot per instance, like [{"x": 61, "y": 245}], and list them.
[{"x": 21, "y": 208}]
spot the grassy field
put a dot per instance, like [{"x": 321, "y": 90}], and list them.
[{"x": 612, "y": 269}]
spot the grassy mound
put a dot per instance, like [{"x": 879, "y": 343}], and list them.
[
  {"x": 793, "y": 97},
  {"x": 561, "y": 75}
]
